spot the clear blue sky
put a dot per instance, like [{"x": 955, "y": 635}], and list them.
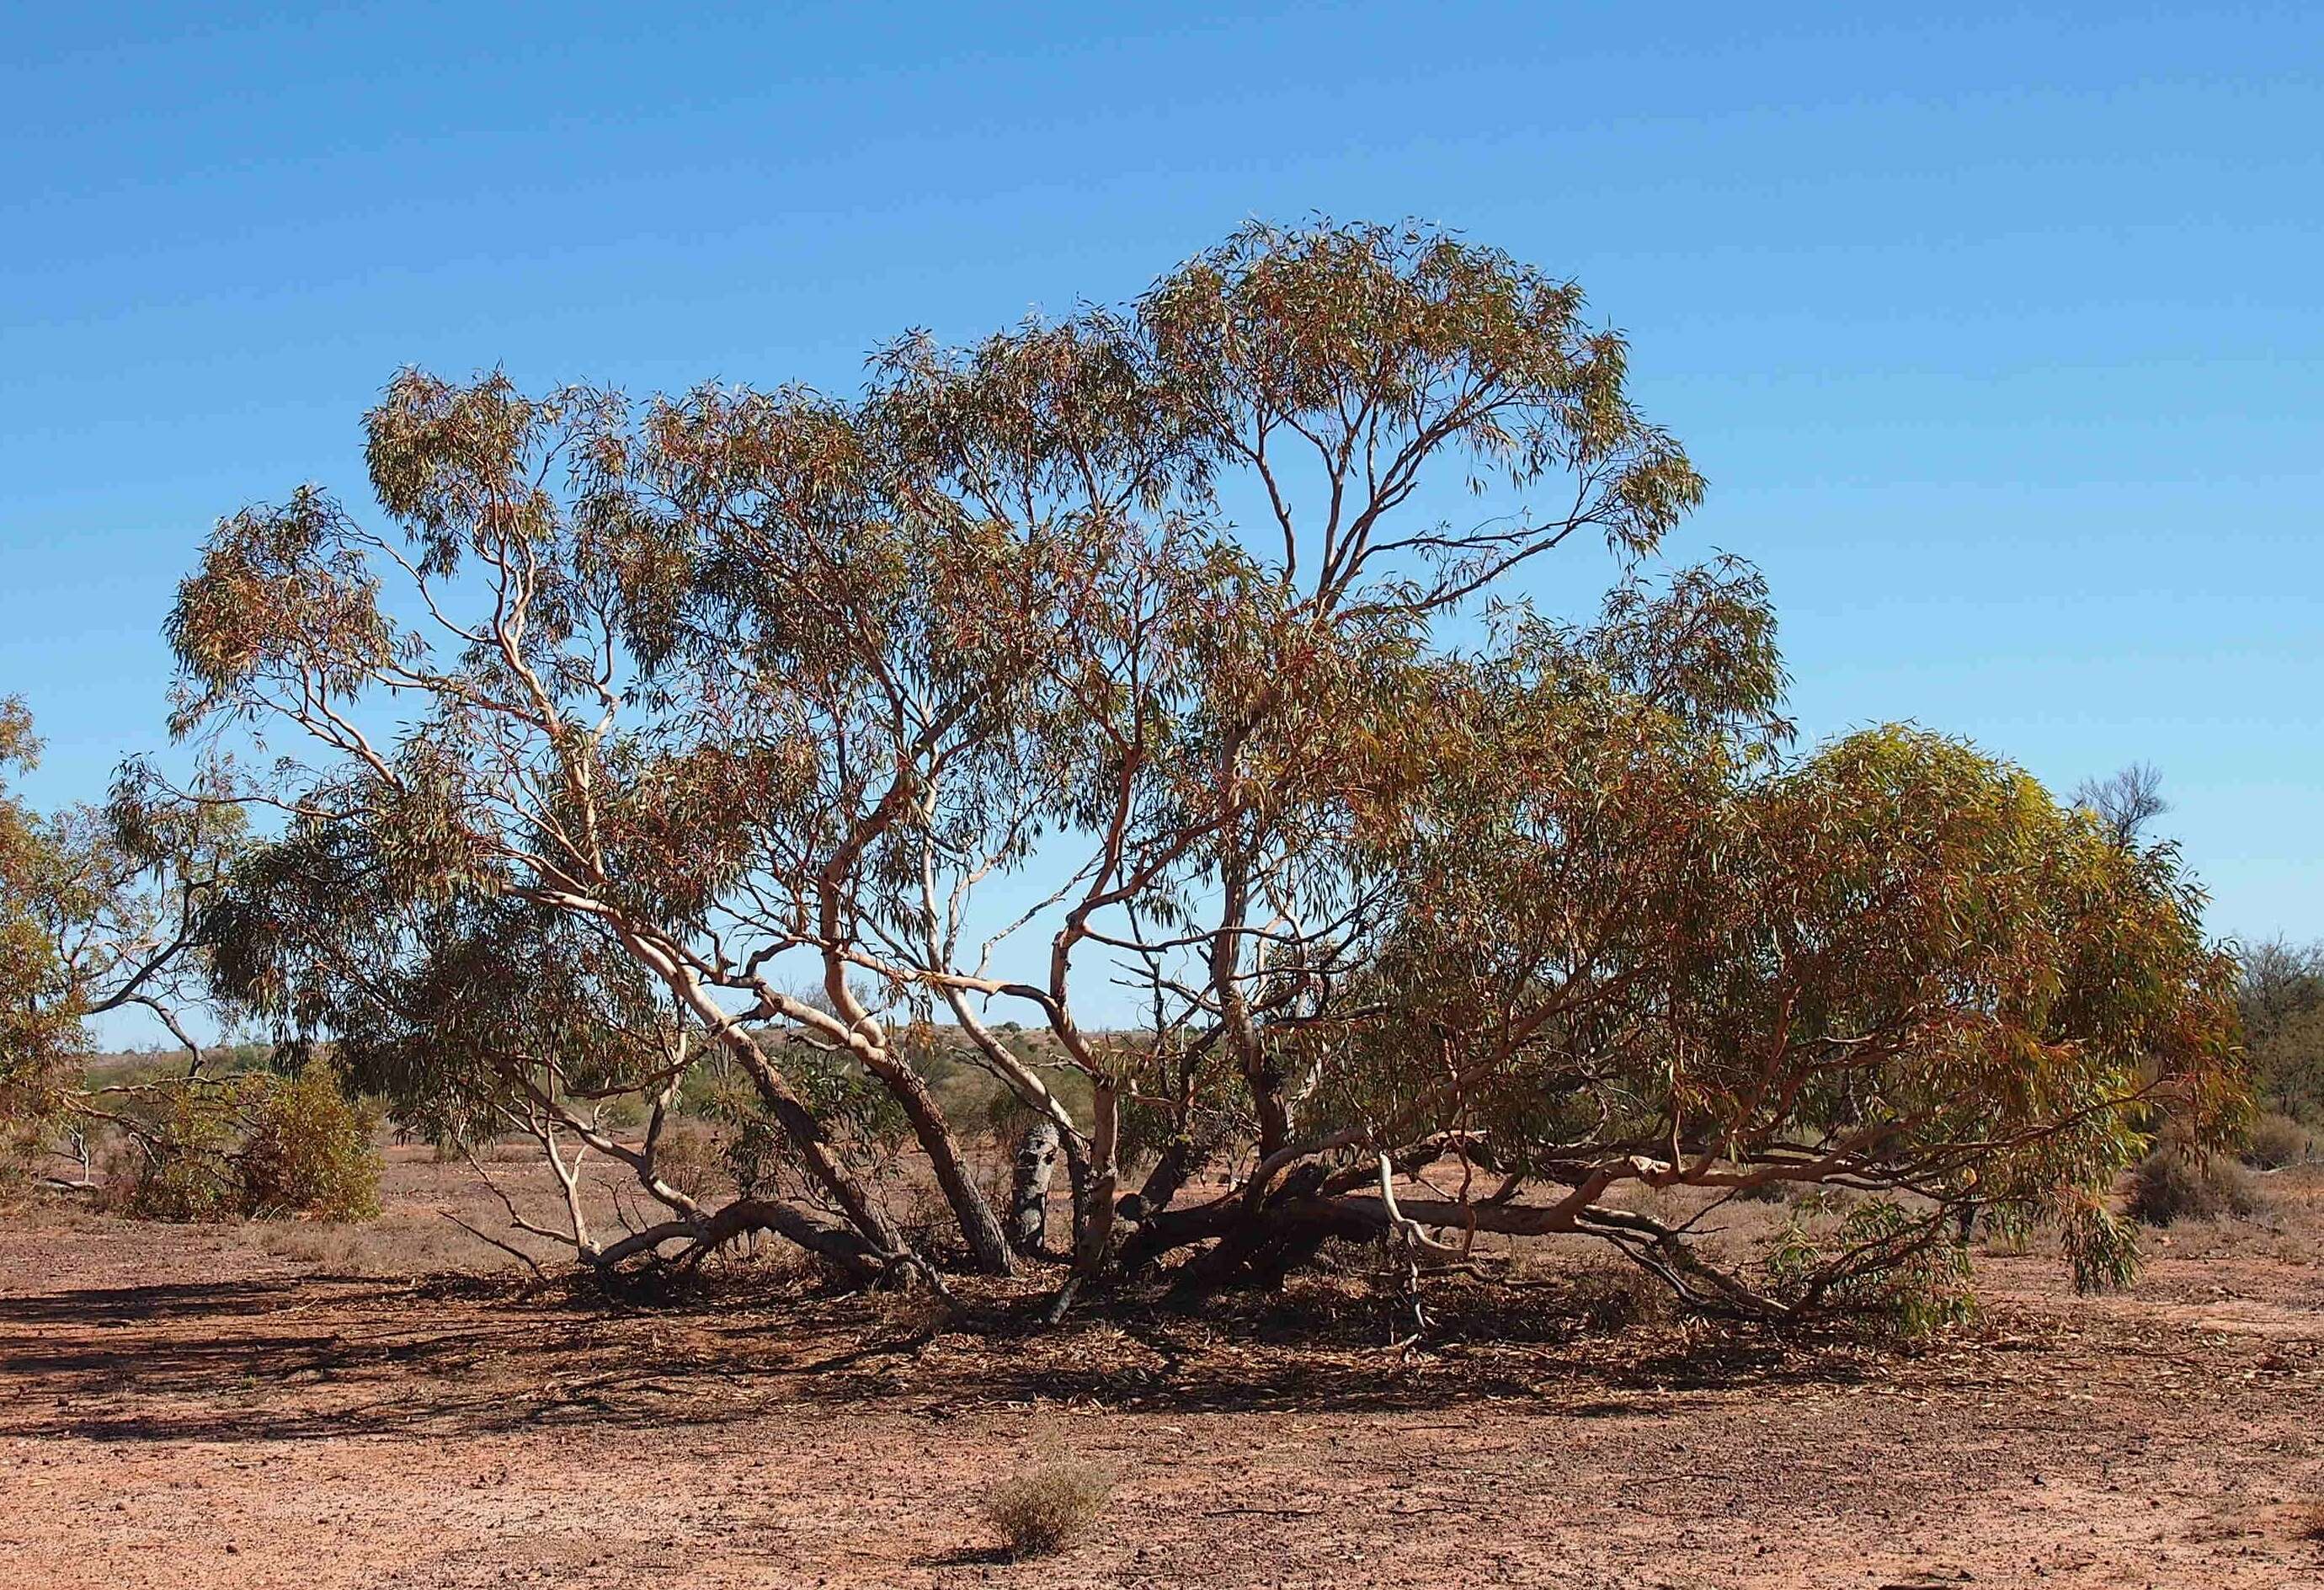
[{"x": 2000, "y": 334}]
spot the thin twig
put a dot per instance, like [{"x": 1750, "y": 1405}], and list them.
[{"x": 531, "y": 1263}]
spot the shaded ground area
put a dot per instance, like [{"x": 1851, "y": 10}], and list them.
[{"x": 190, "y": 1408}]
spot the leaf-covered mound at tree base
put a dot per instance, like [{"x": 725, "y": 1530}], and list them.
[
  {"x": 735, "y": 731},
  {"x": 200, "y": 1406}
]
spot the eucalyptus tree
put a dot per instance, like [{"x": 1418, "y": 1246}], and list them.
[
  {"x": 101, "y": 908},
  {"x": 709, "y": 724},
  {"x": 1210, "y": 728},
  {"x": 574, "y": 778},
  {"x": 739, "y": 676},
  {"x": 39, "y": 1025},
  {"x": 2283, "y": 1001}
]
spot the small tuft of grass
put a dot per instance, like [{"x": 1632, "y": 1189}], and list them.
[{"x": 1042, "y": 1510}]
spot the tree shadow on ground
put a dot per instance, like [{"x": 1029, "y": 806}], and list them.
[
  {"x": 335, "y": 1356},
  {"x": 968, "y": 1556}
]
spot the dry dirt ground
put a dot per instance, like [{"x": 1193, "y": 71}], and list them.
[{"x": 272, "y": 1406}]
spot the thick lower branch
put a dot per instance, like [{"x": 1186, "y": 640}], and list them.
[{"x": 838, "y": 1243}]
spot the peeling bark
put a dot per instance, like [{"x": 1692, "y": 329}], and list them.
[{"x": 1029, "y": 1192}]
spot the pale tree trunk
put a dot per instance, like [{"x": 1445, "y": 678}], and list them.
[
  {"x": 1105, "y": 1175},
  {"x": 868, "y": 1042},
  {"x": 1028, "y": 1193},
  {"x": 1028, "y": 1085},
  {"x": 1077, "y": 1186}
]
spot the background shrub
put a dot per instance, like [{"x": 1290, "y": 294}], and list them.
[
  {"x": 308, "y": 1152},
  {"x": 2275, "y": 1139},
  {"x": 256, "y": 1148},
  {"x": 690, "y": 1160},
  {"x": 183, "y": 1168},
  {"x": 2169, "y": 1186}
]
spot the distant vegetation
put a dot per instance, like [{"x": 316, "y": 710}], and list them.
[
  {"x": 2282, "y": 1005},
  {"x": 756, "y": 789}
]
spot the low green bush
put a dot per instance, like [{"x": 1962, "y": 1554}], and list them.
[
  {"x": 308, "y": 1150},
  {"x": 253, "y": 1148}
]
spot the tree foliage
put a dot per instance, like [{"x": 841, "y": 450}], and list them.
[
  {"x": 101, "y": 909},
  {"x": 711, "y": 723},
  {"x": 39, "y": 1021},
  {"x": 109, "y": 910},
  {"x": 2283, "y": 999}
]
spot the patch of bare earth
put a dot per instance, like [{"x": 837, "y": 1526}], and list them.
[{"x": 194, "y": 1408}]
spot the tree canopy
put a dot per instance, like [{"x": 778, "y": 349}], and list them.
[
  {"x": 2283, "y": 1000},
  {"x": 101, "y": 910}
]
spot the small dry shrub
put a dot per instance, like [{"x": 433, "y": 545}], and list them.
[
  {"x": 1040, "y": 1510},
  {"x": 2169, "y": 1186},
  {"x": 2275, "y": 1139},
  {"x": 1620, "y": 1296},
  {"x": 688, "y": 1159}
]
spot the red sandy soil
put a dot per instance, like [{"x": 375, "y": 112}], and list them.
[{"x": 252, "y": 1407}]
